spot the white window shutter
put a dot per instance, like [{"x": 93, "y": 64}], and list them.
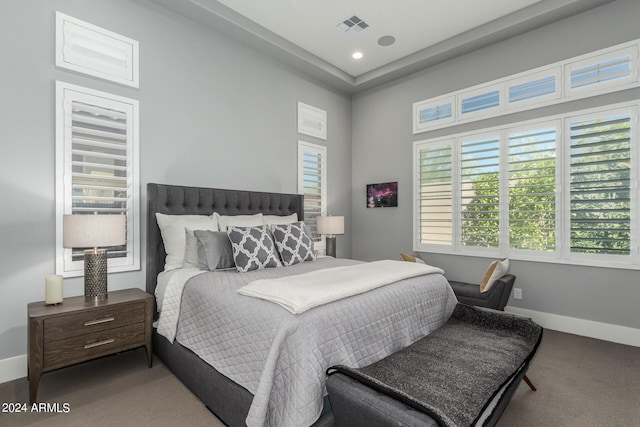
[
  {"x": 97, "y": 164},
  {"x": 435, "y": 195},
  {"x": 601, "y": 201},
  {"x": 532, "y": 189},
  {"x": 480, "y": 192},
  {"x": 312, "y": 183}
]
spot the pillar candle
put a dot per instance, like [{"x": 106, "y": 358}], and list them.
[{"x": 53, "y": 289}]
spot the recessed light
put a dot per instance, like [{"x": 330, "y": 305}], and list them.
[
  {"x": 357, "y": 55},
  {"x": 386, "y": 40}
]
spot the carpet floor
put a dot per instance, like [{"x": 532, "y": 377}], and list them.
[{"x": 581, "y": 382}]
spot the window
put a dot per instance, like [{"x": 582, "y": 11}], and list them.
[
  {"x": 480, "y": 192},
  {"x": 563, "y": 189},
  {"x": 312, "y": 121},
  {"x": 96, "y": 169},
  {"x": 534, "y": 88},
  {"x": 603, "y": 70},
  {"x": 600, "y": 194},
  {"x": 435, "y": 194},
  {"x": 532, "y": 189},
  {"x": 607, "y": 70},
  {"x": 438, "y": 110},
  {"x": 312, "y": 183},
  {"x": 480, "y": 100},
  {"x": 95, "y": 51}
]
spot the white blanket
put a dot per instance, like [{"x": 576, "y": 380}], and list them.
[
  {"x": 172, "y": 297},
  {"x": 302, "y": 292}
]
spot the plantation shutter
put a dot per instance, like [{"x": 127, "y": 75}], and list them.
[
  {"x": 480, "y": 193},
  {"x": 435, "y": 193},
  {"x": 312, "y": 183},
  {"x": 98, "y": 166},
  {"x": 600, "y": 189},
  {"x": 532, "y": 190}
]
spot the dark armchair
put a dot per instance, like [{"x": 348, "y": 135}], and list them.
[{"x": 496, "y": 297}]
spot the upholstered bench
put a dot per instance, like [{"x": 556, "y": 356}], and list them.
[{"x": 464, "y": 373}]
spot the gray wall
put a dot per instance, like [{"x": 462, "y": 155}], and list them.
[
  {"x": 382, "y": 151},
  {"x": 213, "y": 113}
]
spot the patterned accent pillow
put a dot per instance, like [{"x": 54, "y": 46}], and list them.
[
  {"x": 253, "y": 248},
  {"x": 293, "y": 243}
]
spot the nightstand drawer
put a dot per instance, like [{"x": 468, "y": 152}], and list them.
[
  {"x": 85, "y": 347},
  {"x": 100, "y": 319}
]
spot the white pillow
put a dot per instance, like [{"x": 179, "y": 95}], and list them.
[
  {"x": 172, "y": 228},
  {"x": 226, "y": 221},
  {"x": 496, "y": 270},
  {"x": 280, "y": 220}
]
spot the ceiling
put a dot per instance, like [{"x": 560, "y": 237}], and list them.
[
  {"x": 305, "y": 34},
  {"x": 415, "y": 24}
]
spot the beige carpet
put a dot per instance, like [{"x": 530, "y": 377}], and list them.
[
  {"x": 113, "y": 391},
  {"x": 581, "y": 382}
]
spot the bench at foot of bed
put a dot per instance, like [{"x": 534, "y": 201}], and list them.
[{"x": 464, "y": 373}]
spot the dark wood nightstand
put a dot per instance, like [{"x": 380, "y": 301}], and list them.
[{"x": 76, "y": 331}]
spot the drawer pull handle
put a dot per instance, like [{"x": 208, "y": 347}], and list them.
[
  {"x": 99, "y": 343},
  {"x": 97, "y": 322}
]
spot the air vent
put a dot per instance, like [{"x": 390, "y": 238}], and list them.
[{"x": 352, "y": 25}]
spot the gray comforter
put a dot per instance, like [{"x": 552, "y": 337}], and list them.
[{"x": 280, "y": 357}]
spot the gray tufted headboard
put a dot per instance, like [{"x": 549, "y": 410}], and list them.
[{"x": 179, "y": 200}]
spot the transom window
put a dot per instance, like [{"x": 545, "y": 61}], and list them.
[{"x": 607, "y": 70}]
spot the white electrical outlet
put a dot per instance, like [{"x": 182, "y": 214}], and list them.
[{"x": 517, "y": 293}]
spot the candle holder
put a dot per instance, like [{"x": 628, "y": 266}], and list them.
[{"x": 53, "y": 290}]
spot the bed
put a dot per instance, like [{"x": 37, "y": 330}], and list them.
[{"x": 356, "y": 330}]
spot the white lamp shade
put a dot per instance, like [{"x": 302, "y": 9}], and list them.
[
  {"x": 93, "y": 231},
  {"x": 330, "y": 225}
]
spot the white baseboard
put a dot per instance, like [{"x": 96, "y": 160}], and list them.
[
  {"x": 585, "y": 328},
  {"x": 13, "y": 368}
]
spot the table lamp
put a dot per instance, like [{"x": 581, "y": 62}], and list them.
[
  {"x": 96, "y": 232},
  {"x": 330, "y": 226}
]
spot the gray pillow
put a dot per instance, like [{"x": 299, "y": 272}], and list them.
[
  {"x": 293, "y": 243},
  {"x": 214, "y": 250},
  {"x": 253, "y": 248}
]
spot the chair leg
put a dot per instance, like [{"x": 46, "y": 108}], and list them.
[{"x": 529, "y": 383}]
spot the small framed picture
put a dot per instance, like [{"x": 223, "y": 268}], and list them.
[{"x": 384, "y": 195}]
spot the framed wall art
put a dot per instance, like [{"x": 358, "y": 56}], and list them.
[{"x": 383, "y": 195}]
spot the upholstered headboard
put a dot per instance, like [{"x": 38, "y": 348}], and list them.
[{"x": 179, "y": 200}]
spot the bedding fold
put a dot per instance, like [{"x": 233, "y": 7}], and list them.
[{"x": 302, "y": 292}]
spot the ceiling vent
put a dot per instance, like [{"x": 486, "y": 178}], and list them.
[{"x": 352, "y": 25}]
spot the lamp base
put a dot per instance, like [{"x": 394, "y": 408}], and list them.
[
  {"x": 95, "y": 275},
  {"x": 331, "y": 246}
]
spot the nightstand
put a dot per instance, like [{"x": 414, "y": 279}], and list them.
[{"x": 76, "y": 331}]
